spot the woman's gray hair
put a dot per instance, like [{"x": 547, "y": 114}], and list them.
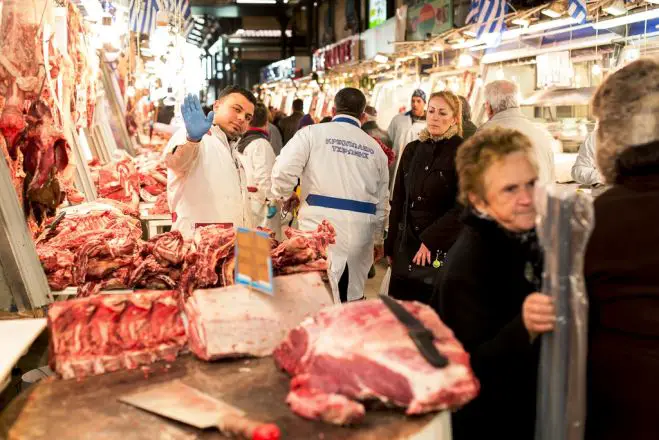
[
  {"x": 502, "y": 95},
  {"x": 627, "y": 107}
]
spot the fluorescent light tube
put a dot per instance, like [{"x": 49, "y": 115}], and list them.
[
  {"x": 256, "y": 2},
  {"x": 627, "y": 19}
]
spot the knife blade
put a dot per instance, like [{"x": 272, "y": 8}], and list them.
[{"x": 420, "y": 335}]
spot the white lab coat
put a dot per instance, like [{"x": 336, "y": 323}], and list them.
[
  {"x": 585, "y": 169},
  {"x": 338, "y": 159},
  {"x": 212, "y": 189},
  {"x": 257, "y": 158},
  {"x": 402, "y": 130},
  {"x": 543, "y": 142}
]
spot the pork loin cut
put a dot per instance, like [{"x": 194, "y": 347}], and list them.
[
  {"x": 235, "y": 321},
  {"x": 360, "y": 351},
  {"x": 106, "y": 333}
]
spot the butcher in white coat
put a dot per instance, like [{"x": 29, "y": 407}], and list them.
[
  {"x": 344, "y": 179},
  {"x": 205, "y": 180},
  {"x": 258, "y": 156}
]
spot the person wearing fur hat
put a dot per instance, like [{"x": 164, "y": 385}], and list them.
[
  {"x": 405, "y": 128},
  {"x": 621, "y": 267}
]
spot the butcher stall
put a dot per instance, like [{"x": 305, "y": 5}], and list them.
[{"x": 291, "y": 362}]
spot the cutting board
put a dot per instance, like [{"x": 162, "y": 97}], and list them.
[
  {"x": 89, "y": 409},
  {"x": 16, "y": 336}
]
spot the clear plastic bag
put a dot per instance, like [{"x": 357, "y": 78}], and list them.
[
  {"x": 384, "y": 285},
  {"x": 565, "y": 222}
]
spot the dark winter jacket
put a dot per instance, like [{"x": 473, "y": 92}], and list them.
[
  {"x": 622, "y": 280},
  {"x": 288, "y": 126},
  {"x": 434, "y": 213},
  {"x": 488, "y": 274}
]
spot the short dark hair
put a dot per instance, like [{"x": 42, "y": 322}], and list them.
[
  {"x": 350, "y": 101},
  {"x": 230, "y": 90},
  {"x": 298, "y": 105},
  {"x": 260, "y": 118}
]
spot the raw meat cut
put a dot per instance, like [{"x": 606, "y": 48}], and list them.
[
  {"x": 106, "y": 333},
  {"x": 211, "y": 246},
  {"x": 304, "y": 250},
  {"x": 93, "y": 242},
  {"x": 360, "y": 351},
  {"x": 161, "y": 206},
  {"x": 160, "y": 263},
  {"x": 117, "y": 180},
  {"x": 237, "y": 321},
  {"x": 211, "y": 261}
]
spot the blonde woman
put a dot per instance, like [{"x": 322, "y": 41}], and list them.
[
  {"x": 424, "y": 220},
  {"x": 488, "y": 294}
]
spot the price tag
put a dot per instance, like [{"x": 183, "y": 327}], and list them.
[{"x": 253, "y": 262}]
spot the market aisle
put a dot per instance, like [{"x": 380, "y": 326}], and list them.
[{"x": 373, "y": 285}]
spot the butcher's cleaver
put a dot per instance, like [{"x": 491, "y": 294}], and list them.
[{"x": 178, "y": 401}]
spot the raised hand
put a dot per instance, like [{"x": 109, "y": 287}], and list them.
[{"x": 196, "y": 124}]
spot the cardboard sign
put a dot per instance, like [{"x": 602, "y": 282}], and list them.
[{"x": 253, "y": 262}]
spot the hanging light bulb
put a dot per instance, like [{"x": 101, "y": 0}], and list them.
[
  {"x": 597, "y": 69},
  {"x": 500, "y": 74}
]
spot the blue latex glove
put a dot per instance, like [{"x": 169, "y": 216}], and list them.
[
  {"x": 196, "y": 124},
  {"x": 272, "y": 211}
]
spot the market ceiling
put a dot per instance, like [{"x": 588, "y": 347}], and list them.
[{"x": 214, "y": 18}]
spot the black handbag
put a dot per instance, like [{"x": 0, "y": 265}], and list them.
[{"x": 407, "y": 245}]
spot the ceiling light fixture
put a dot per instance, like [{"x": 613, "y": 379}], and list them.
[{"x": 523, "y": 22}]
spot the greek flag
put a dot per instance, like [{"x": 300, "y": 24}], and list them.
[
  {"x": 577, "y": 10},
  {"x": 488, "y": 17},
  {"x": 142, "y": 14}
]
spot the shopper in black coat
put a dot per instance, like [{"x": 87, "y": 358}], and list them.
[
  {"x": 433, "y": 215},
  {"x": 488, "y": 290}
]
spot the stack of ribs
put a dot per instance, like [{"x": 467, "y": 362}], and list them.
[
  {"x": 105, "y": 333},
  {"x": 94, "y": 244},
  {"x": 211, "y": 261}
]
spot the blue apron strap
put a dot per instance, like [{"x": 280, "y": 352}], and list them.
[{"x": 342, "y": 204}]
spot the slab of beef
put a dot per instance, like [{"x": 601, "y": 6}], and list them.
[
  {"x": 303, "y": 250},
  {"x": 106, "y": 333},
  {"x": 359, "y": 352},
  {"x": 236, "y": 321}
]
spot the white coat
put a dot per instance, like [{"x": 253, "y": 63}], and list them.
[
  {"x": 585, "y": 170},
  {"x": 340, "y": 161},
  {"x": 543, "y": 142},
  {"x": 402, "y": 130},
  {"x": 257, "y": 159},
  {"x": 205, "y": 186}
]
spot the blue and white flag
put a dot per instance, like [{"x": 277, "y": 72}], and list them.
[
  {"x": 577, "y": 10},
  {"x": 488, "y": 16},
  {"x": 142, "y": 14}
]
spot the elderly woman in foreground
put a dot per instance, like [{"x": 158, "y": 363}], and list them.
[
  {"x": 488, "y": 295},
  {"x": 622, "y": 259}
]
